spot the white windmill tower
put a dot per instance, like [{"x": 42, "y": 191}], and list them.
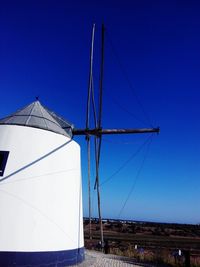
[{"x": 40, "y": 190}]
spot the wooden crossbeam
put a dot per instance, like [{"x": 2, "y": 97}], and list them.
[{"x": 98, "y": 132}]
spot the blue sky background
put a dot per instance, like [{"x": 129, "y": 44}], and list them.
[{"x": 44, "y": 50}]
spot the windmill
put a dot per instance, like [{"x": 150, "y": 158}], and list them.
[
  {"x": 97, "y": 131},
  {"x": 40, "y": 177}
]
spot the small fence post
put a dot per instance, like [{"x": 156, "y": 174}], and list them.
[{"x": 187, "y": 258}]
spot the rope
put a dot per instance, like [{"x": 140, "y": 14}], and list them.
[
  {"x": 93, "y": 105},
  {"x": 128, "y": 112},
  {"x": 124, "y": 72},
  {"x": 117, "y": 141},
  {"x": 90, "y": 79},
  {"x": 127, "y": 161},
  {"x": 137, "y": 177}
]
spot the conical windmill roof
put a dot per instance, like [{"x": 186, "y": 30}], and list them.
[{"x": 36, "y": 115}]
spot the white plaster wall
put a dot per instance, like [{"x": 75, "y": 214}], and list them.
[{"x": 41, "y": 197}]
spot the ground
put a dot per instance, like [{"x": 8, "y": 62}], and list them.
[{"x": 98, "y": 259}]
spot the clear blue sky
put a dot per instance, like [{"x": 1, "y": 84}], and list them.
[{"x": 44, "y": 50}]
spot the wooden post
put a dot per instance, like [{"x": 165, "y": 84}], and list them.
[
  {"x": 89, "y": 186},
  {"x": 98, "y": 138},
  {"x": 90, "y": 84},
  {"x": 187, "y": 258}
]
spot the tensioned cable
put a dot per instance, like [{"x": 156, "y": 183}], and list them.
[
  {"x": 128, "y": 80},
  {"x": 93, "y": 105},
  {"x": 90, "y": 79},
  {"x": 137, "y": 177},
  {"x": 90, "y": 91},
  {"x": 127, "y": 111},
  {"x": 92, "y": 206},
  {"x": 117, "y": 141},
  {"x": 127, "y": 161}
]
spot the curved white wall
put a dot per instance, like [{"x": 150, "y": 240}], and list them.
[{"x": 41, "y": 196}]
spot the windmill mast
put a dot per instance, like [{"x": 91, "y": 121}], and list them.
[
  {"x": 98, "y": 131},
  {"x": 90, "y": 85},
  {"x": 98, "y": 137}
]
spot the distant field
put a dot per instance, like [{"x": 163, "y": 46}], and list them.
[{"x": 155, "y": 240}]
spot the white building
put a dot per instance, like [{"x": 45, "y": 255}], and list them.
[{"x": 40, "y": 190}]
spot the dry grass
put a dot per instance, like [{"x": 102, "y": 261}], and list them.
[
  {"x": 159, "y": 257},
  {"x": 159, "y": 241}
]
